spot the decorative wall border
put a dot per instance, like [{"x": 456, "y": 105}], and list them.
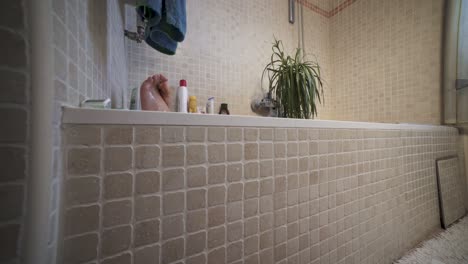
[{"x": 323, "y": 12}]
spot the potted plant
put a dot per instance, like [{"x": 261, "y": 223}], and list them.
[{"x": 295, "y": 84}]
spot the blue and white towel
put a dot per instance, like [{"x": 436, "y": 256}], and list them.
[{"x": 166, "y": 23}]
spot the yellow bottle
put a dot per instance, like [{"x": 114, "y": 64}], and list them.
[{"x": 192, "y": 104}]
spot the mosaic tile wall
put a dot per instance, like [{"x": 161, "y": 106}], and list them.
[
  {"x": 227, "y": 46},
  {"x": 317, "y": 40},
  {"x": 386, "y": 58},
  {"x": 80, "y": 50},
  {"x": 89, "y": 50},
  {"x": 148, "y": 194},
  {"x": 90, "y": 59},
  {"x": 117, "y": 57},
  {"x": 15, "y": 133},
  {"x": 381, "y": 59}
]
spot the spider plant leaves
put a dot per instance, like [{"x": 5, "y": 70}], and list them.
[{"x": 295, "y": 84}]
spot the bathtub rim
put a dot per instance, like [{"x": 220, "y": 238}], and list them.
[{"x": 89, "y": 116}]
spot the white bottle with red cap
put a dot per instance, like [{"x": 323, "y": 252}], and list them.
[{"x": 182, "y": 97}]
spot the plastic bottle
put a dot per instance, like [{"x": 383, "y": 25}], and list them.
[
  {"x": 210, "y": 106},
  {"x": 182, "y": 97},
  {"x": 192, "y": 104},
  {"x": 223, "y": 110}
]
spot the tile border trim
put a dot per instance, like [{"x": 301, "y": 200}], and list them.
[{"x": 323, "y": 12}]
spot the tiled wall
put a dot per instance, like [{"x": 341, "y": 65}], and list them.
[
  {"x": 80, "y": 50},
  {"x": 386, "y": 59},
  {"x": 89, "y": 50},
  {"x": 14, "y": 134},
  {"x": 117, "y": 56},
  {"x": 90, "y": 60},
  {"x": 381, "y": 59},
  {"x": 317, "y": 43},
  {"x": 148, "y": 194},
  {"x": 227, "y": 46}
]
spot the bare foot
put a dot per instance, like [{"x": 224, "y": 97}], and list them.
[
  {"x": 163, "y": 86},
  {"x": 151, "y": 99}
]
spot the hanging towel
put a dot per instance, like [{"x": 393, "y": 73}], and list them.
[
  {"x": 166, "y": 23},
  {"x": 174, "y": 19},
  {"x": 150, "y": 10},
  {"x": 160, "y": 41}
]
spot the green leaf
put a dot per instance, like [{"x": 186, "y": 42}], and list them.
[{"x": 294, "y": 82}]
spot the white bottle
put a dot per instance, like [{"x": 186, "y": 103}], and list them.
[
  {"x": 182, "y": 97},
  {"x": 210, "y": 106}
]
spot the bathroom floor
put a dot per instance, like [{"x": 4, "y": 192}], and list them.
[{"x": 448, "y": 247}]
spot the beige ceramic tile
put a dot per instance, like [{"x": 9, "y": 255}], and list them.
[{"x": 310, "y": 196}]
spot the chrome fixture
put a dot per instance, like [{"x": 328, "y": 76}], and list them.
[
  {"x": 138, "y": 36},
  {"x": 265, "y": 106},
  {"x": 292, "y": 17}
]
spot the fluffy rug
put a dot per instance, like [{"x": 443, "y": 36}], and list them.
[{"x": 448, "y": 247}]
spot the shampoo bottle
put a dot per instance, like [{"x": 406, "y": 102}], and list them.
[{"x": 182, "y": 97}]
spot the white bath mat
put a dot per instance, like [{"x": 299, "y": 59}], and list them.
[
  {"x": 448, "y": 247},
  {"x": 450, "y": 190}
]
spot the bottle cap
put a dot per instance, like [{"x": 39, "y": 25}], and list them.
[{"x": 183, "y": 83}]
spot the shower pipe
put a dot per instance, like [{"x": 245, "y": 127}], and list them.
[{"x": 35, "y": 232}]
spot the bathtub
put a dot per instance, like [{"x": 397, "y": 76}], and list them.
[{"x": 173, "y": 188}]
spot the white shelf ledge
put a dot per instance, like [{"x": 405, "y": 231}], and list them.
[{"x": 127, "y": 117}]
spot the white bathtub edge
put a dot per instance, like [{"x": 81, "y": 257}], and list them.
[{"x": 73, "y": 115}]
